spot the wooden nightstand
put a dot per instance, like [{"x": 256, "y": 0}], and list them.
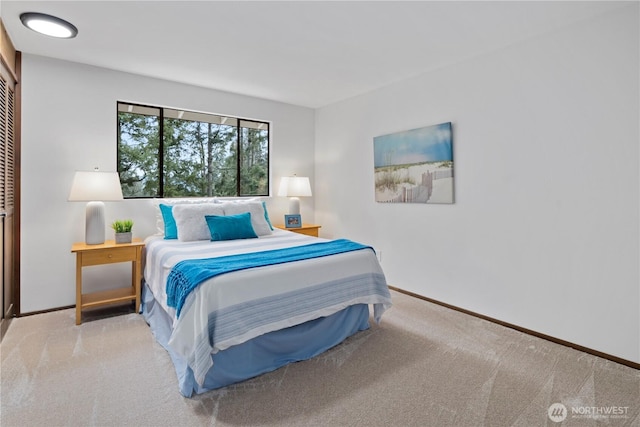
[
  {"x": 108, "y": 253},
  {"x": 308, "y": 229}
]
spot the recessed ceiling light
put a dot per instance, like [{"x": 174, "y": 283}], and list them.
[{"x": 49, "y": 25}]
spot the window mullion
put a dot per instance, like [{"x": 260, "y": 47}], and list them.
[
  {"x": 161, "y": 154},
  {"x": 238, "y": 151}
]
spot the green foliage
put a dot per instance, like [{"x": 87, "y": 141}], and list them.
[
  {"x": 122, "y": 225},
  {"x": 254, "y": 162},
  {"x": 138, "y": 162}
]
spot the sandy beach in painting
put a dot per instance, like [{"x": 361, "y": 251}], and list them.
[{"x": 442, "y": 188}]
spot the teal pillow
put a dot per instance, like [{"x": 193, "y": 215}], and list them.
[
  {"x": 230, "y": 227},
  {"x": 170, "y": 227}
]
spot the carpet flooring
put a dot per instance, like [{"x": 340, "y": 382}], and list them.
[{"x": 424, "y": 365}]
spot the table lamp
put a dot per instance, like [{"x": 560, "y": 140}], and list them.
[
  {"x": 95, "y": 187},
  {"x": 294, "y": 187}
]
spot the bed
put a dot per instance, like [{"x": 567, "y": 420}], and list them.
[{"x": 230, "y": 309}]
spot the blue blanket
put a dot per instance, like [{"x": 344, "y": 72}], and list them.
[{"x": 187, "y": 275}]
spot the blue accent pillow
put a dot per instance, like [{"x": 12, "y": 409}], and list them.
[
  {"x": 170, "y": 227},
  {"x": 230, "y": 227}
]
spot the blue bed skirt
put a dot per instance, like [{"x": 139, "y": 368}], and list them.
[{"x": 262, "y": 354}]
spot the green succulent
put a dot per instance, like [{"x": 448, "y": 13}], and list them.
[{"x": 122, "y": 225}]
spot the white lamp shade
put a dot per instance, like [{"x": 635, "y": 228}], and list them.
[
  {"x": 88, "y": 186},
  {"x": 294, "y": 186}
]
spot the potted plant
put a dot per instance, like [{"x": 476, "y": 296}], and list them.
[{"x": 122, "y": 227}]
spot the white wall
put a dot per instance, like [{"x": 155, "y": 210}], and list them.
[
  {"x": 544, "y": 230},
  {"x": 69, "y": 123}
]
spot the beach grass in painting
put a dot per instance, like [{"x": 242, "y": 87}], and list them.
[{"x": 414, "y": 166}]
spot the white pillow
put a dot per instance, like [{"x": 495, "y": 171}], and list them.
[
  {"x": 258, "y": 220},
  {"x": 190, "y": 220},
  {"x": 171, "y": 202}
]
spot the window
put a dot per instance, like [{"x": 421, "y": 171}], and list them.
[{"x": 165, "y": 152}]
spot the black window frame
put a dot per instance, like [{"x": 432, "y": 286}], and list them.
[{"x": 160, "y": 159}]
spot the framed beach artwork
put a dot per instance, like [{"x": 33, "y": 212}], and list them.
[{"x": 414, "y": 166}]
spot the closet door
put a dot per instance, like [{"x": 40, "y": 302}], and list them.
[
  {"x": 10, "y": 70},
  {"x": 7, "y": 199}
]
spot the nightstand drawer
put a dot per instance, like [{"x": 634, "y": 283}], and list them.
[{"x": 108, "y": 256}]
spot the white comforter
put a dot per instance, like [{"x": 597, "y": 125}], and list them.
[{"x": 235, "y": 307}]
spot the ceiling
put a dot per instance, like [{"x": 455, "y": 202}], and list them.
[{"x": 299, "y": 52}]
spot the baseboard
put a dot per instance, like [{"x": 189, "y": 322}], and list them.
[
  {"x": 48, "y": 310},
  {"x": 578, "y": 347},
  {"x": 94, "y": 313}
]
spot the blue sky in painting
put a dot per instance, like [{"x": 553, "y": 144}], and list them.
[{"x": 427, "y": 144}]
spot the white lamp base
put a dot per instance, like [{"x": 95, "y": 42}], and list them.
[
  {"x": 294, "y": 206},
  {"x": 94, "y": 225}
]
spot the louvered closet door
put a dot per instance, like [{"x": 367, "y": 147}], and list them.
[{"x": 7, "y": 170}]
